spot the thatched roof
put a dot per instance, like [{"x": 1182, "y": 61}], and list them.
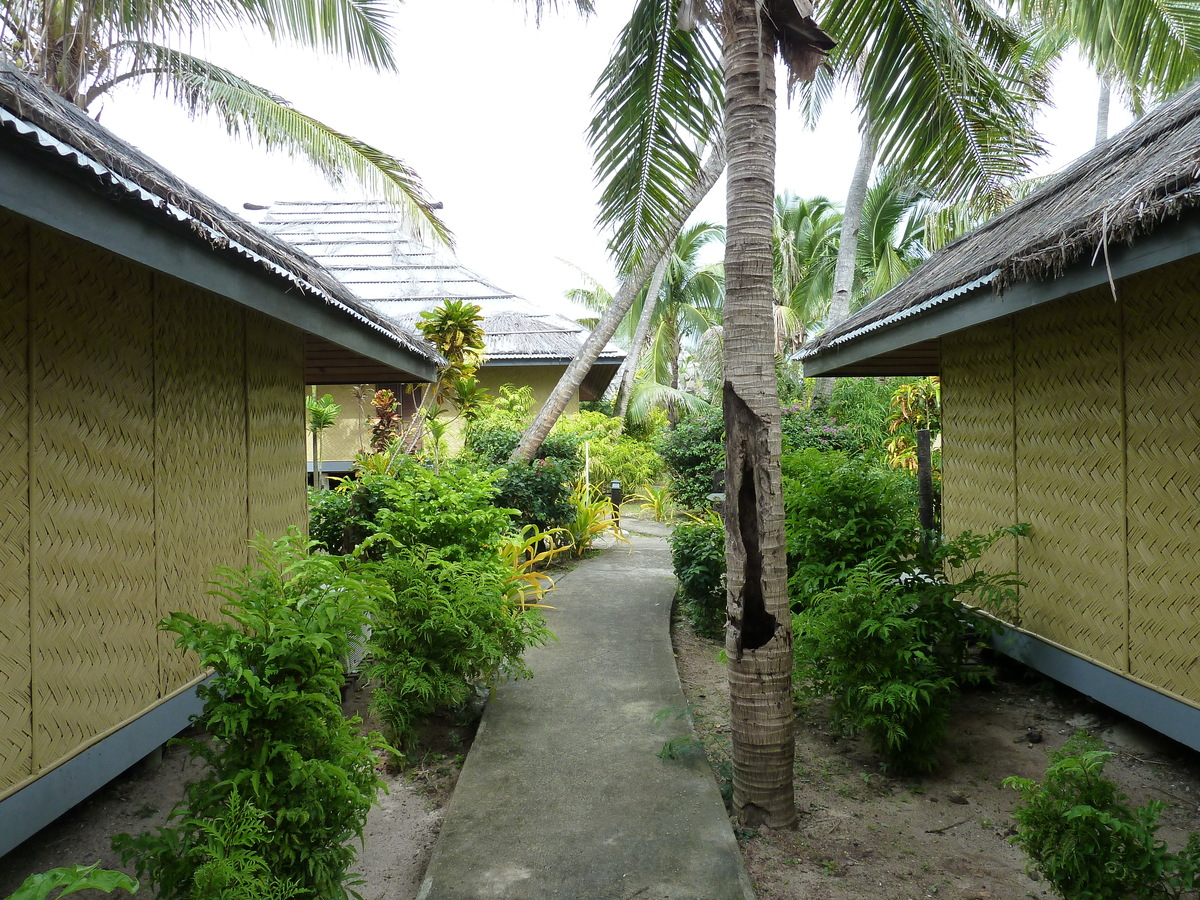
[
  {"x": 366, "y": 245},
  {"x": 1114, "y": 195},
  {"x": 41, "y": 125}
]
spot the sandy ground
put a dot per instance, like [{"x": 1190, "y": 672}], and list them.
[
  {"x": 861, "y": 834},
  {"x": 865, "y": 835}
]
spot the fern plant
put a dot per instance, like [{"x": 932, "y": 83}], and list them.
[{"x": 278, "y": 736}]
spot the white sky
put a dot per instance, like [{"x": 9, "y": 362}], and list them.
[{"x": 491, "y": 111}]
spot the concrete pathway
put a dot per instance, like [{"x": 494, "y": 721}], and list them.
[{"x": 562, "y": 794}]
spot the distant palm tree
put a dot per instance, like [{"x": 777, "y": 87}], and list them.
[
  {"x": 891, "y": 239},
  {"x": 82, "y": 49},
  {"x": 689, "y": 303},
  {"x": 805, "y": 237}
]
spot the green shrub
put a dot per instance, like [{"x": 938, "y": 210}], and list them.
[
  {"x": 864, "y": 404},
  {"x": 327, "y": 512},
  {"x": 693, "y": 451},
  {"x": 890, "y": 646},
  {"x": 278, "y": 736},
  {"x": 1083, "y": 835},
  {"x": 698, "y": 555},
  {"x": 840, "y": 511},
  {"x": 451, "y": 622},
  {"x": 805, "y": 428},
  {"x": 453, "y": 509},
  {"x": 539, "y": 492},
  {"x": 493, "y": 443}
]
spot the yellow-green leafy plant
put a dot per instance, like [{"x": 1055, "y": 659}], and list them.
[
  {"x": 657, "y": 501},
  {"x": 593, "y": 518},
  {"x": 527, "y": 554}
]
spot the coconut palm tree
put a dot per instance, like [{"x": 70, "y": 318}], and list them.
[
  {"x": 83, "y": 50},
  {"x": 659, "y": 150}
]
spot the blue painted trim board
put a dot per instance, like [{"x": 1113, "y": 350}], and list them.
[{"x": 39, "y": 803}]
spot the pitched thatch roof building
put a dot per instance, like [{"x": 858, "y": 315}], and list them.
[
  {"x": 1067, "y": 335},
  {"x": 154, "y": 350},
  {"x": 366, "y": 246}
]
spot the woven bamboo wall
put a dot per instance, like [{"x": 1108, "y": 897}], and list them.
[
  {"x": 275, "y": 398},
  {"x": 1106, "y": 405},
  {"x": 1162, "y": 340},
  {"x": 140, "y": 445},
  {"x": 977, "y": 455},
  {"x": 201, "y": 436},
  {"x": 1070, "y": 474},
  {"x": 92, "y": 528},
  {"x": 16, "y": 714}
]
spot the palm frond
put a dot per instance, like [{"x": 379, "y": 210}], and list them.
[
  {"x": 947, "y": 89},
  {"x": 247, "y": 110},
  {"x": 658, "y": 103},
  {"x": 356, "y": 29},
  {"x": 1150, "y": 47}
]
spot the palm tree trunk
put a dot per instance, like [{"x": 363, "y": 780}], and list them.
[
  {"x": 843, "y": 273},
  {"x": 1102, "y": 108},
  {"x": 759, "y": 635},
  {"x": 579, "y": 367},
  {"x": 640, "y": 336}
]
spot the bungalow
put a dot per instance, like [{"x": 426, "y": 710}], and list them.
[
  {"x": 1066, "y": 332},
  {"x": 366, "y": 246},
  {"x": 154, "y": 352}
]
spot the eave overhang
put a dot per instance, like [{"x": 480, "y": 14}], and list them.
[
  {"x": 62, "y": 190},
  {"x": 908, "y": 343}
]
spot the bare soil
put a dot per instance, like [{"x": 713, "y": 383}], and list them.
[{"x": 863, "y": 834}]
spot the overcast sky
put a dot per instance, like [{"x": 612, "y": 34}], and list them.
[{"x": 491, "y": 111}]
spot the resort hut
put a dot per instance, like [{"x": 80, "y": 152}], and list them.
[
  {"x": 1066, "y": 332},
  {"x": 367, "y": 247},
  {"x": 154, "y": 352}
]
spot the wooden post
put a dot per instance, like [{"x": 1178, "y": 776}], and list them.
[{"x": 925, "y": 489}]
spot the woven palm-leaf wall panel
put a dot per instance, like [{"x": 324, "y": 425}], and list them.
[
  {"x": 200, "y": 430},
  {"x": 978, "y": 481},
  {"x": 1162, "y": 329},
  {"x": 1070, "y": 474},
  {"x": 16, "y": 736},
  {"x": 275, "y": 393},
  {"x": 92, "y": 531}
]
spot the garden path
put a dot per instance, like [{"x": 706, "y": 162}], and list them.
[{"x": 563, "y": 794}]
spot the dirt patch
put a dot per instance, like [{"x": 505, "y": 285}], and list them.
[
  {"x": 865, "y": 835},
  {"x": 398, "y": 841}
]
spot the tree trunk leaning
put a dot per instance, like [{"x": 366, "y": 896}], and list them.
[
  {"x": 843, "y": 273},
  {"x": 641, "y": 336},
  {"x": 1102, "y": 108},
  {"x": 759, "y": 634},
  {"x": 579, "y": 367}
]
